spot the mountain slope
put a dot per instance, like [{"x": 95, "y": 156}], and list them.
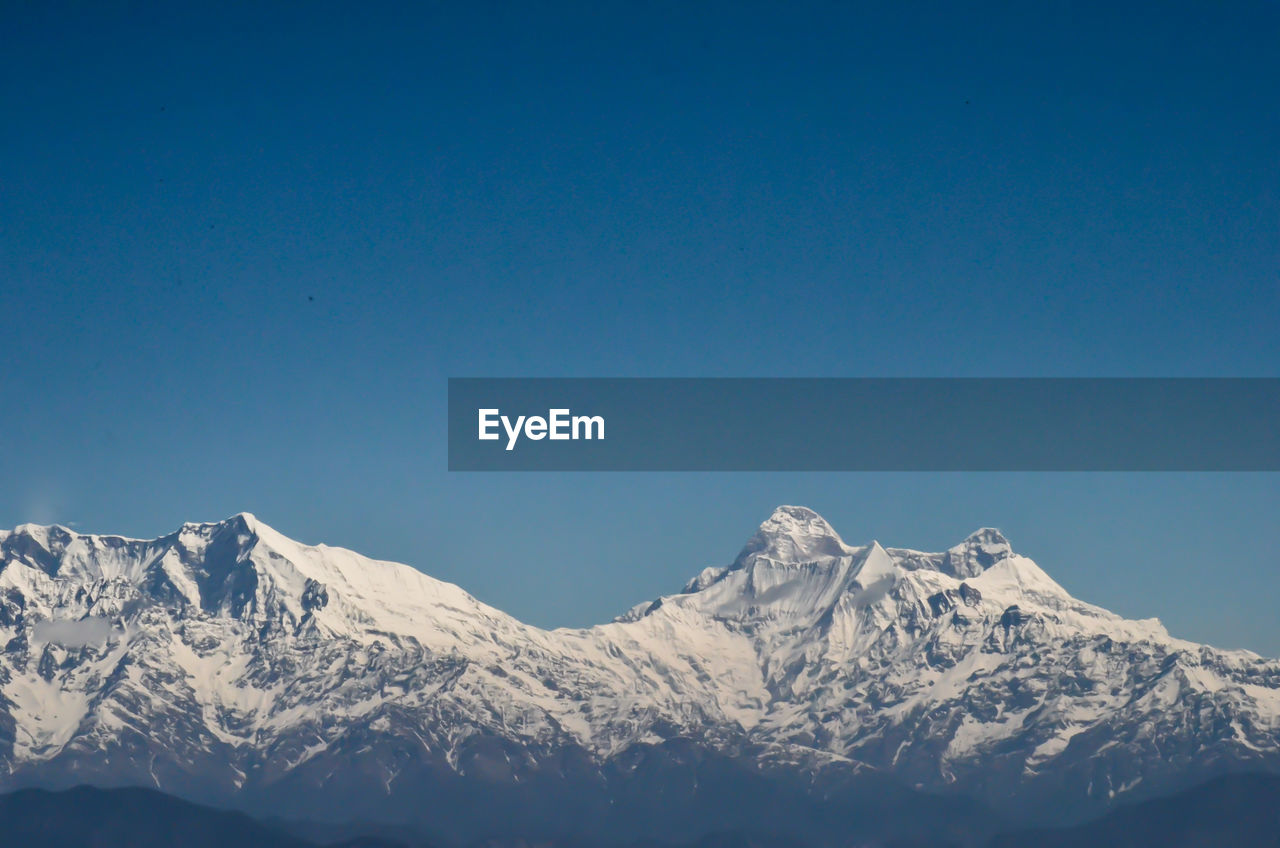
[
  {"x": 972, "y": 667},
  {"x": 228, "y": 663}
]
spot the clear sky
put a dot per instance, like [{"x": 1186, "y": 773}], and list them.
[{"x": 242, "y": 248}]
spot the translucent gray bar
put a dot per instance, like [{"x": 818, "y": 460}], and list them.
[{"x": 872, "y": 424}]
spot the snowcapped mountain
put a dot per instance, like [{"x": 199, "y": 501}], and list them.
[{"x": 230, "y": 664}]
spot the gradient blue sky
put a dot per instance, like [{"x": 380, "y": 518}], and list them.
[{"x": 242, "y": 248}]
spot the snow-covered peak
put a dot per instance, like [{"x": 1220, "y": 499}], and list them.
[
  {"x": 38, "y": 546},
  {"x": 979, "y": 551},
  {"x": 49, "y": 537},
  {"x": 793, "y": 534},
  {"x": 241, "y": 569},
  {"x": 242, "y": 523}
]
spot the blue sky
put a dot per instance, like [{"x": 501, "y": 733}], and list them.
[{"x": 241, "y": 251}]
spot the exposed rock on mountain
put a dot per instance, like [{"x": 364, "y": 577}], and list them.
[{"x": 228, "y": 663}]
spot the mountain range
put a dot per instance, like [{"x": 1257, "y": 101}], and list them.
[{"x": 810, "y": 688}]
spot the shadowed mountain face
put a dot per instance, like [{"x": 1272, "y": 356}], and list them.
[
  {"x": 1241, "y": 810},
  {"x": 807, "y": 681},
  {"x": 127, "y": 818}
]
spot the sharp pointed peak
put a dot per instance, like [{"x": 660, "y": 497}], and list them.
[
  {"x": 31, "y": 528},
  {"x": 784, "y": 511},
  {"x": 989, "y": 535},
  {"x": 794, "y": 534},
  {"x": 240, "y": 521},
  {"x": 787, "y": 518},
  {"x": 980, "y": 550}
]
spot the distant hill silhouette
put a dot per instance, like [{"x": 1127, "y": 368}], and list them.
[
  {"x": 87, "y": 817},
  {"x": 1242, "y": 811}
]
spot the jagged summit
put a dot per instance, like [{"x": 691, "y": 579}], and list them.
[
  {"x": 797, "y": 534},
  {"x": 979, "y": 551},
  {"x": 793, "y": 534},
  {"x": 242, "y": 569},
  {"x": 986, "y": 536},
  {"x": 243, "y": 519},
  {"x": 243, "y": 523}
]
